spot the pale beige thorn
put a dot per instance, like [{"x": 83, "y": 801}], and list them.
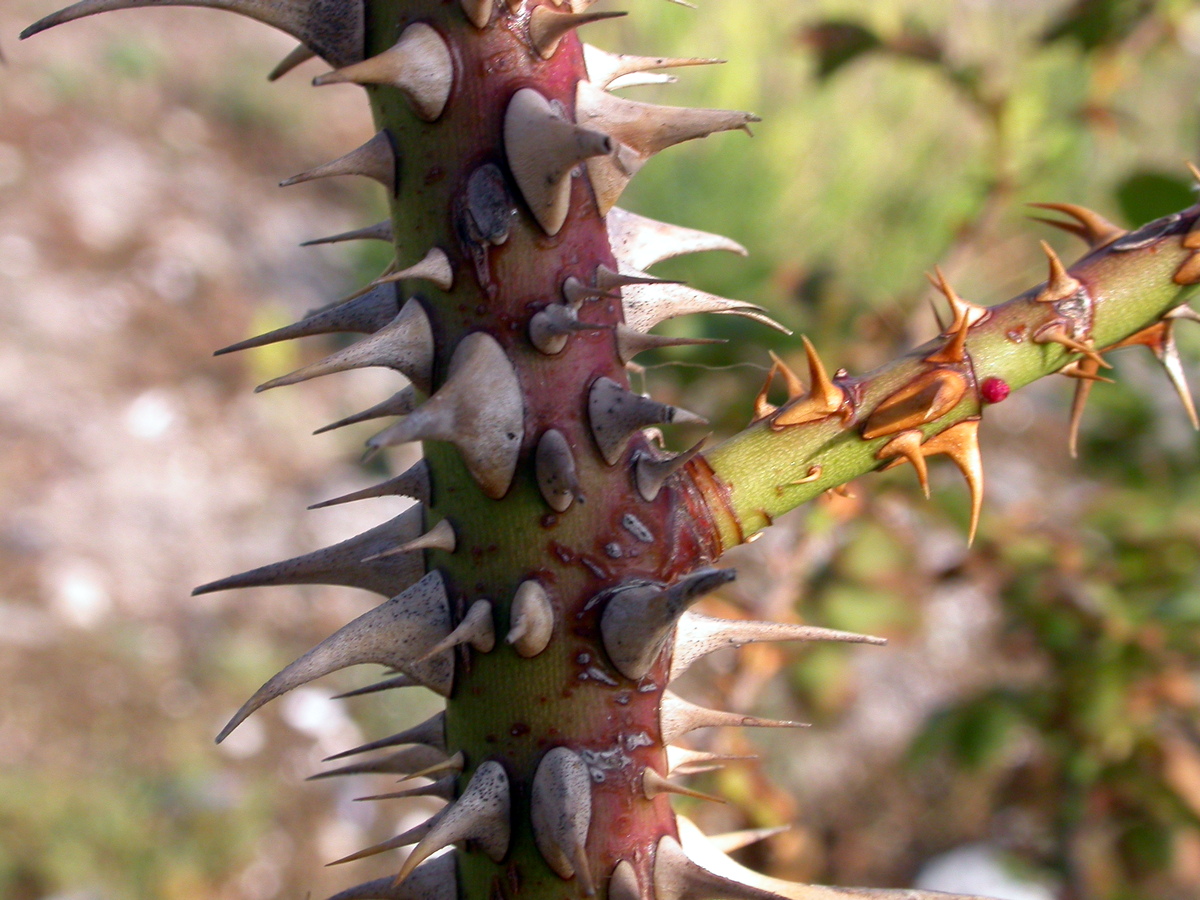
[
  {"x": 440, "y": 537},
  {"x": 608, "y": 280},
  {"x": 1183, "y": 312},
  {"x": 654, "y": 784},
  {"x": 1089, "y": 225},
  {"x": 1195, "y": 172},
  {"x": 907, "y": 444},
  {"x": 412, "y": 836},
  {"x": 436, "y": 879},
  {"x": 576, "y": 292},
  {"x": 434, "y": 266},
  {"x": 555, "y": 470},
  {"x": 443, "y": 789},
  {"x": 1059, "y": 284},
  {"x": 604, "y": 68},
  {"x": 678, "y": 717},
  {"x": 639, "y": 131},
  {"x": 615, "y": 414},
  {"x": 560, "y": 809},
  {"x": 697, "y": 847},
  {"x": 638, "y": 619},
  {"x": 824, "y": 397},
  {"x": 340, "y": 564},
  {"x": 431, "y": 733},
  {"x": 676, "y": 877},
  {"x": 1056, "y": 333},
  {"x": 730, "y": 841},
  {"x": 532, "y": 619},
  {"x": 698, "y": 635},
  {"x": 419, "y": 65},
  {"x": 1168, "y": 355},
  {"x": 376, "y": 159},
  {"x": 631, "y": 342},
  {"x": 482, "y": 814},
  {"x": 548, "y": 26},
  {"x": 476, "y": 629},
  {"x": 479, "y": 409},
  {"x": 639, "y": 242},
  {"x": 542, "y": 149},
  {"x": 551, "y": 327},
  {"x": 640, "y": 79},
  {"x": 404, "y": 344},
  {"x": 646, "y": 305},
  {"x": 623, "y": 883},
  {"x": 400, "y": 403},
  {"x": 455, "y": 763},
  {"x": 650, "y": 472},
  {"x": 478, "y": 12},
  {"x": 399, "y": 762},
  {"x": 388, "y": 684},
  {"x": 961, "y": 443},
  {"x": 394, "y": 634},
  {"x": 300, "y": 54},
  {"x": 380, "y": 231},
  {"x": 334, "y": 30},
  {"x": 683, "y": 761}
]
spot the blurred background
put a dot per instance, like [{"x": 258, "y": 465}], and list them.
[{"x": 1030, "y": 732}]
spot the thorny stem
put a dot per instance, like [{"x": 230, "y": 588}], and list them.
[{"x": 767, "y": 470}]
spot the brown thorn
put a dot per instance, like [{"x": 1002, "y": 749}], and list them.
[
  {"x": 824, "y": 397},
  {"x": 1087, "y": 376},
  {"x": 1089, "y": 225}
]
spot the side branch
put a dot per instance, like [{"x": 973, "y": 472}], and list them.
[{"x": 1129, "y": 289}]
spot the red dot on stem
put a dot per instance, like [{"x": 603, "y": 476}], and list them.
[{"x": 993, "y": 390}]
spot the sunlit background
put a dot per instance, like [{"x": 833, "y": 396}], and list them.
[{"x": 1031, "y": 730}]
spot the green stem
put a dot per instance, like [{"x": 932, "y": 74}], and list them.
[{"x": 767, "y": 470}]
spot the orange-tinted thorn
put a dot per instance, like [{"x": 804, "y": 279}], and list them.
[
  {"x": 1059, "y": 283},
  {"x": 1087, "y": 377},
  {"x": 1085, "y": 370},
  {"x": 762, "y": 406},
  {"x": 954, "y": 351},
  {"x": 795, "y": 387},
  {"x": 1160, "y": 338},
  {"x": 961, "y": 443},
  {"x": 1189, "y": 270},
  {"x": 1089, "y": 225},
  {"x": 927, "y": 397},
  {"x": 1056, "y": 333},
  {"x": 961, "y": 309},
  {"x": 824, "y": 398},
  {"x": 907, "y": 445}
]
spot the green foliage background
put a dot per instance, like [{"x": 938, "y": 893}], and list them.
[{"x": 895, "y": 136}]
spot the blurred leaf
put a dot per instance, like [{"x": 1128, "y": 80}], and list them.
[
  {"x": 1149, "y": 195},
  {"x": 837, "y": 43},
  {"x": 1099, "y": 23}
]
